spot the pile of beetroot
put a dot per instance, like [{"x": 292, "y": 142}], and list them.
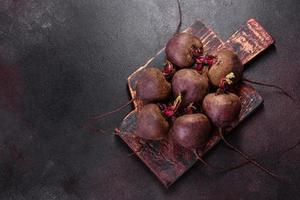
[{"x": 190, "y": 96}]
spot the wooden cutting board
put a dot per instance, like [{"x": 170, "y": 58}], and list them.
[{"x": 167, "y": 160}]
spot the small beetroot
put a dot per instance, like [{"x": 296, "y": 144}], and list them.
[
  {"x": 152, "y": 86},
  {"x": 151, "y": 124}
]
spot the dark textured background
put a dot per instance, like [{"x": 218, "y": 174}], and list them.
[{"x": 63, "y": 61}]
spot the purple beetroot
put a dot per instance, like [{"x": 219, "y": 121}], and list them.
[
  {"x": 183, "y": 48},
  {"x": 151, "y": 124},
  {"x": 192, "y": 85},
  {"x": 152, "y": 86}
]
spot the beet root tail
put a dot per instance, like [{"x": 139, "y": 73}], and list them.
[
  {"x": 218, "y": 169},
  {"x": 270, "y": 85},
  {"x": 180, "y": 17},
  {"x": 252, "y": 161},
  {"x": 199, "y": 157},
  {"x": 89, "y": 125}
]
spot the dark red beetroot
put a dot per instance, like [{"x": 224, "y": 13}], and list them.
[
  {"x": 222, "y": 109},
  {"x": 182, "y": 49},
  {"x": 151, "y": 124},
  {"x": 191, "y": 131},
  {"x": 226, "y": 61},
  {"x": 152, "y": 86},
  {"x": 191, "y": 85}
]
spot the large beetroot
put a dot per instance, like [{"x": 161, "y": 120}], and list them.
[
  {"x": 183, "y": 48},
  {"x": 191, "y": 85}
]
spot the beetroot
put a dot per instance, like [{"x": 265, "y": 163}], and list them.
[
  {"x": 191, "y": 131},
  {"x": 226, "y": 61},
  {"x": 191, "y": 85},
  {"x": 152, "y": 86},
  {"x": 222, "y": 109},
  {"x": 151, "y": 124},
  {"x": 183, "y": 48}
]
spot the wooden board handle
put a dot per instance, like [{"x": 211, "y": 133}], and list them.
[{"x": 249, "y": 40}]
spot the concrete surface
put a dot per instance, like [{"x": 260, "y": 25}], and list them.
[{"x": 63, "y": 61}]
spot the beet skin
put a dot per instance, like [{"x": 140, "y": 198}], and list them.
[
  {"x": 191, "y": 85},
  {"x": 226, "y": 61},
  {"x": 151, "y": 124},
  {"x": 152, "y": 86},
  {"x": 222, "y": 109},
  {"x": 191, "y": 131},
  {"x": 181, "y": 49}
]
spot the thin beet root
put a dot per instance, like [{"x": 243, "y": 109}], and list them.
[
  {"x": 199, "y": 157},
  {"x": 269, "y": 85},
  {"x": 98, "y": 117},
  {"x": 217, "y": 169},
  {"x": 252, "y": 161},
  {"x": 88, "y": 125},
  {"x": 180, "y": 17}
]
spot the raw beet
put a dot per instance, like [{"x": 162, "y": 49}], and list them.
[
  {"x": 182, "y": 49},
  {"x": 191, "y": 85},
  {"x": 152, "y": 86},
  {"x": 226, "y": 61},
  {"x": 191, "y": 131},
  {"x": 151, "y": 124},
  {"x": 222, "y": 109}
]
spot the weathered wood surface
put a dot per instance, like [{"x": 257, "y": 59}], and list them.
[{"x": 165, "y": 159}]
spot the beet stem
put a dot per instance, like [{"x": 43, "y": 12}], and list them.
[
  {"x": 246, "y": 156},
  {"x": 289, "y": 149},
  {"x": 234, "y": 167},
  {"x": 180, "y": 17},
  {"x": 113, "y": 111},
  {"x": 204, "y": 162},
  {"x": 269, "y": 85},
  {"x": 217, "y": 169},
  {"x": 88, "y": 125}
]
